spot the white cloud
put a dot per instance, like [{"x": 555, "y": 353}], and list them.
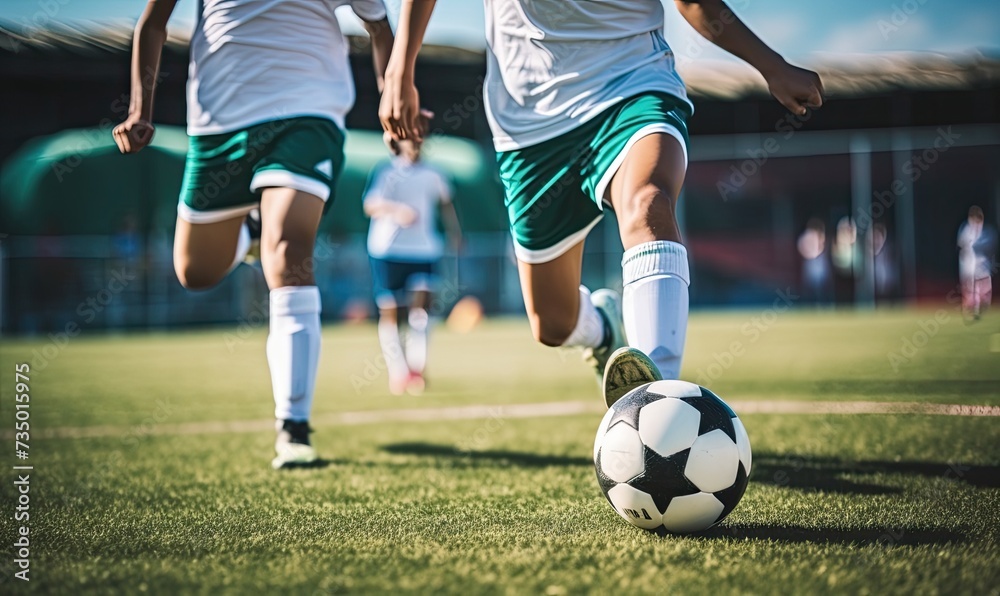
[
  {"x": 880, "y": 33},
  {"x": 780, "y": 30}
]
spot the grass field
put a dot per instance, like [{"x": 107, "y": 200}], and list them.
[{"x": 151, "y": 470}]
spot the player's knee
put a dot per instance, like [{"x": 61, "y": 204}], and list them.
[
  {"x": 287, "y": 262},
  {"x": 551, "y": 329},
  {"x": 194, "y": 278},
  {"x": 649, "y": 211}
]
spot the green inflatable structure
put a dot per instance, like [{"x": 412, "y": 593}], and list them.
[{"x": 77, "y": 183}]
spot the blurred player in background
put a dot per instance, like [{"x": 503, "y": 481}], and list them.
[
  {"x": 269, "y": 87},
  {"x": 586, "y": 109},
  {"x": 816, "y": 273},
  {"x": 977, "y": 247},
  {"x": 404, "y": 200}
]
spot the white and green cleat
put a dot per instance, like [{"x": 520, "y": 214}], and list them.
[
  {"x": 627, "y": 369},
  {"x": 292, "y": 446},
  {"x": 609, "y": 304}
]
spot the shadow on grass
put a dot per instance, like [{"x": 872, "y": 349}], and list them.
[
  {"x": 313, "y": 465},
  {"x": 831, "y": 475},
  {"x": 499, "y": 458},
  {"x": 886, "y": 537}
]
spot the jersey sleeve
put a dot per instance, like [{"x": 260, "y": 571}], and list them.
[{"x": 371, "y": 11}]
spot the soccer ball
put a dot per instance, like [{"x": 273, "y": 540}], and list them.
[{"x": 672, "y": 457}]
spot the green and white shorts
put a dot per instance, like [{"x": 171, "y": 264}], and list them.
[
  {"x": 555, "y": 189},
  {"x": 224, "y": 174}
]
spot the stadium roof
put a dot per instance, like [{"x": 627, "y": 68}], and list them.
[{"x": 843, "y": 75}]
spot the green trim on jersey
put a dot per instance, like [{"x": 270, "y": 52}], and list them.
[
  {"x": 220, "y": 168},
  {"x": 551, "y": 187}
]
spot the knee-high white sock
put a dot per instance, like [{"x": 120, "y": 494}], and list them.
[
  {"x": 655, "y": 302},
  {"x": 293, "y": 350},
  {"x": 242, "y": 247},
  {"x": 392, "y": 349},
  {"x": 589, "y": 331},
  {"x": 416, "y": 340}
]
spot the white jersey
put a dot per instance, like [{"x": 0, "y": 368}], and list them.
[
  {"x": 258, "y": 60},
  {"x": 419, "y": 187},
  {"x": 552, "y": 65}
]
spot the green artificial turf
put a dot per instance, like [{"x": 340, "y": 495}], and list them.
[{"x": 836, "y": 503}]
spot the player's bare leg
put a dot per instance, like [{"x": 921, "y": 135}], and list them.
[
  {"x": 644, "y": 194},
  {"x": 289, "y": 219},
  {"x": 418, "y": 320},
  {"x": 392, "y": 348},
  {"x": 205, "y": 253},
  {"x": 564, "y": 313}
]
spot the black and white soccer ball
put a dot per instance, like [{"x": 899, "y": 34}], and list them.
[{"x": 671, "y": 456}]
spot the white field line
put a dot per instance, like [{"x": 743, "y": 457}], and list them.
[{"x": 500, "y": 411}]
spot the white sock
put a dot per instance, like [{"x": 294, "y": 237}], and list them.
[
  {"x": 293, "y": 350},
  {"x": 242, "y": 247},
  {"x": 416, "y": 340},
  {"x": 392, "y": 349},
  {"x": 655, "y": 302},
  {"x": 589, "y": 331}
]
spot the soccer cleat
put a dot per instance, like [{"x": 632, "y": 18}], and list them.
[
  {"x": 609, "y": 304},
  {"x": 292, "y": 446},
  {"x": 416, "y": 384},
  {"x": 627, "y": 369}
]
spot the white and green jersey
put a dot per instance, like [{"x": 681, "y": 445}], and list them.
[
  {"x": 254, "y": 61},
  {"x": 553, "y": 65}
]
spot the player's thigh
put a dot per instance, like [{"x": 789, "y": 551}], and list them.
[
  {"x": 215, "y": 198},
  {"x": 289, "y": 221},
  {"x": 552, "y": 295},
  {"x": 204, "y": 252},
  {"x": 645, "y": 189}
]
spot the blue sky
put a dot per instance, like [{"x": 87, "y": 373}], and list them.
[{"x": 803, "y": 30}]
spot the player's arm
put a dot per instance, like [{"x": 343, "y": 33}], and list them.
[
  {"x": 377, "y": 205},
  {"x": 796, "y": 88},
  {"x": 400, "y": 108},
  {"x": 381, "y": 36},
  {"x": 147, "y": 45},
  {"x": 449, "y": 217}
]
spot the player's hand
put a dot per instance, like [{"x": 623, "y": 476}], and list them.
[
  {"x": 133, "y": 134},
  {"x": 399, "y": 111},
  {"x": 405, "y": 216},
  {"x": 796, "y": 88},
  {"x": 424, "y": 120}
]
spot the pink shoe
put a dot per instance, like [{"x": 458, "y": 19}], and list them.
[{"x": 416, "y": 384}]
